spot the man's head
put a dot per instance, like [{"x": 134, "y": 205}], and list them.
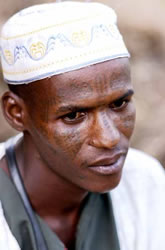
[
  {"x": 49, "y": 39},
  {"x": 80, "y": 121}
]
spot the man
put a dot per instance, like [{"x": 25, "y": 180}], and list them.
[{"x": 71, "y": 96}]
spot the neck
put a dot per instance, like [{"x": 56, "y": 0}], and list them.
[{"x": 50, "y": 195}]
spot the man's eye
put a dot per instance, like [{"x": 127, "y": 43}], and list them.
[
  {"x": 119, "y": 105},
  {"x": 74, "y": 117}
]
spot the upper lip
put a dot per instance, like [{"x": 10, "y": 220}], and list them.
[{"x": 106, "y": 161}]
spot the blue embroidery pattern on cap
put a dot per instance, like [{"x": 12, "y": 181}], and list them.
[{"x": 37, "y": 51}]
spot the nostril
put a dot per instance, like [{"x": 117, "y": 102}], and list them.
[{"x": 104, "y": 140}]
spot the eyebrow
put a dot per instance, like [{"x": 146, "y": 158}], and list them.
[{"x": 74, "y": 108}]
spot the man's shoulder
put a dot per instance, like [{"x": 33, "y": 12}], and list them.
[
  {"x": 14, "y": 139},
  {"x": 143, "y": 165},
  {"x": 141, "y": 159},
  {"x": 139, "y": 202},
  {"x": 7, "y": 240},
  {"x": 2, "y": 149},
  {"x": 142, "y": 176}
]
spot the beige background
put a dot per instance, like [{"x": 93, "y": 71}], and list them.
[{"x": 142, "y": 24}]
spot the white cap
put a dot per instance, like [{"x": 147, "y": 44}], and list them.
[{"x": 49, "y": 39}]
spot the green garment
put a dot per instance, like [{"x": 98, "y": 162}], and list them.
[{"x": 96, "y": 229}]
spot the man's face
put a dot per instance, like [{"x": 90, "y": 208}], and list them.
[{"x": 82, "y": 123}]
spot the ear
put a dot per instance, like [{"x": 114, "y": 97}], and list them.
[{"x": 14, "y": 110}]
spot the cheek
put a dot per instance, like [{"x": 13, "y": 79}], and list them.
[
  {"x": 62, "y": 139},
  {"x": 127, "y": 121},
  {"x": 69, "y": 141}
]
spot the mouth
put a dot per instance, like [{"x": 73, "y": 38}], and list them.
[{"x": 108, "y": 166}]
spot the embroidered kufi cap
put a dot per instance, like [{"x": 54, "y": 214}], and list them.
[{"x": 50, "y": 39}]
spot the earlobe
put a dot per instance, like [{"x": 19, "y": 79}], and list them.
[{"x": 14, "y": 110}]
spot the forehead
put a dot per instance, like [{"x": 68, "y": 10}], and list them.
[{"x": 84, "y": 84}]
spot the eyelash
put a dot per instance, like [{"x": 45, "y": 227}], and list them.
[
  {"x": 123, "y": 102},
  {"x": 74, "y": 120},
  {"x": 122, "y": 106}
]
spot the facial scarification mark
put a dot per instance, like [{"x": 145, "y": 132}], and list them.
[
  {"x": 127, "y": 120},
  {"x": 51, "y": 102},
  {"x": 70, "y": 142},
  {"x": 84, "y": 88},
  {"x": 105, "y": 120},
  {"x": 118, "y": 79},
  {"x": 105, "y": 84},
  {"x": 128, "y": 124},
  {"x": 100, "y": 85},
  {"x": 44, "y": 113},
  {"x": 60, "y": 96}
]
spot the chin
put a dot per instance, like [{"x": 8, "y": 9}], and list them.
[{"x": 104, "y": 187}]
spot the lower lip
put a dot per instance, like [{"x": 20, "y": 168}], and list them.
[{"x": 114, "y": 168}]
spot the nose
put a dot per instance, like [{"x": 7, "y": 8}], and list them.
[{"x": 105, "y": 133}]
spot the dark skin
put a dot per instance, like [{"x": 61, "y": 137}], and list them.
[{"x": 70, "y": 123}]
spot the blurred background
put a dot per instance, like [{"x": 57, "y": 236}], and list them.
[{"x": 142, "y": 25}]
